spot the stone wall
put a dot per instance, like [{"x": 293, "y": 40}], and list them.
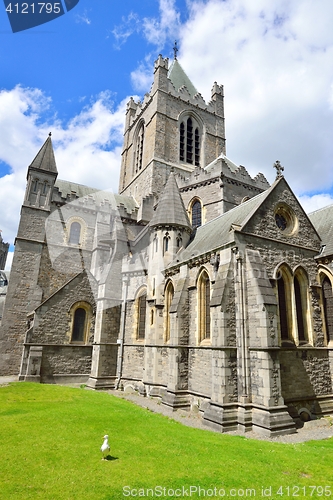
[{"x": 305, "y": 373}]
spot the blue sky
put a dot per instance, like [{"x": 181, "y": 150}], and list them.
[{"x": 74, "y": 75}]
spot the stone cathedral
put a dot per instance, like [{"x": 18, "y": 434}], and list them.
[{"x": 196, "y": 284}]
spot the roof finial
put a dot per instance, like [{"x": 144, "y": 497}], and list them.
[
  {"x": 50, "y": 134},
  {"x": 175, "y": 50},
  {"x": 279, "y": 169}
]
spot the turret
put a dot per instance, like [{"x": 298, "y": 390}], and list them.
[{"x": 41, "y": 176}]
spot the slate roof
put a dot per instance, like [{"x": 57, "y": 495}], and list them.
[
  {"x": 170, "y": 210},
  {"x": 232, "y": 166},
  {"x": 45, "y": 160},
  {"x": 179, "y": 78},
  {"x": 217, "y": 232},
  {"x": 99, "y": 196},
  {"x": 322, "y": 220}
]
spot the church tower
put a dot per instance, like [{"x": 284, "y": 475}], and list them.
[
  {"x": 172, "y": 128},
  {"x": 24, "y": 294}
]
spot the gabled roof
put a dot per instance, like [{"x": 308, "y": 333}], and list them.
[
  {"x": 170, "y": 210},
  {"x": 179, "y": 78},
  {"x": 322, "y": 220},
  {"x": 232, "y": 166},
  {"x": 218, "y": 232},
  {"x": 45, "y": 160}
]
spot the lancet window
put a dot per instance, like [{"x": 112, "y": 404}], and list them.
[
  {"x": 169, "y": 293},
  {"x": 139, "y": 149},
  {"x": 189, "y": 141},
  {"x": 204, "y": 306},
  {"x": 328, "y": 307},
  {"x": 293, "y": 305},
  {"x": 141, "y": 313}
]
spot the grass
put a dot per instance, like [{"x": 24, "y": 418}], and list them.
[{"x": 50, "y": 438}]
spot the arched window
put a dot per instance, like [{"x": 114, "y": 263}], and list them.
[
  {"x": 179, "y": 241},
  {"x": 284, "y": 322},
  {"x": 328, "y": 307},
  {"x": 189, "y": 141},
  {"x": 79, "y": 325},
  {"x": 169, "y": 293},
  {"x": 141, "y": 311},
  {"x": 196, "y": 213},
  {"x": 300, "y": 291},
  {"x": 293, "y": 305},
  {"x": 204, "y": 306},
  {"x": 75, "y": 233},
  {"x": 166, "y": 243},
  {"x": 139, "y": 149},
  {"x": 80, "y": 322}
]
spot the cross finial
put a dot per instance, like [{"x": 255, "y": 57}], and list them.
[
  {"x": 175, "y": 50},
  {"x": 50, "y": 134},
  {"x": 279, "y": 169}
]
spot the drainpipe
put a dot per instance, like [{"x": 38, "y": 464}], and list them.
[{"x": 120, "y": 341}]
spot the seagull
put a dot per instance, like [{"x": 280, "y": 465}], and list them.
[{"x": 105, "y": 448}]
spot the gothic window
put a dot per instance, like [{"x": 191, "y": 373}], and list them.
[
  {"x": 196, "y": 214},
  {"x": 141, "y": 312},
  {"x": 301, "y": 308},
  {"x": 179, "y": 241},
  {"x": 81, "y": 313},
  {"x": 79, "y": 325},
  {"x": 283, "y": 310},
  {"x": 75, "y": 233},
  {"x": 139, "y": 149},
  {"x": 328, "y": 307},
  {"x": 293, "y": 305},
  {"x": 35, "y": 186},
  {"x": 204, "y": 306},
  {"x": 189, "y": 141},
  {"x": 166, "y": 243},
  {"x": 45, "y": 188},
  {"x": 169, "y": 293}
]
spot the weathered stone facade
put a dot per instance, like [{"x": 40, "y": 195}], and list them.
[{"x": 198, "y": 285}]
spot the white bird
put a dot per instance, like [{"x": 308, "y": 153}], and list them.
[{"x": 105, "y": 448}]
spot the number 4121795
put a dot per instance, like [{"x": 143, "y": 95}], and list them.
[{"x": 32, "y": 8}]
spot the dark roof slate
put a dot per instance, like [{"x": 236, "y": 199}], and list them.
[
  {"x": 322, "y": 220},
  {"x": 170, "y": 210},
  {"x": 45, "y": 160}
]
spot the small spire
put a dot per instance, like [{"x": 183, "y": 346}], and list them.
[
  {"x": 279, "y": 169},
  {"x": 175, "y": 50}
]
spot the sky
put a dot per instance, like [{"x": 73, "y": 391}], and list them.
[{"x": 73, "y": 76}]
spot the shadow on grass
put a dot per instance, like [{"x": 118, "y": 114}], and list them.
[{"x": 109, "y": 458}]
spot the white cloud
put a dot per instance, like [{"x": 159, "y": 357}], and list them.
[
  {"x": 83, "y": 18},
  {"x": 158, "y": 30},
  {"x": 142, "y": 76},
  {"x": 87, "y": 148},
  {"x": 315, "y": 202},
  {"x": 122, "y": 32},
  {"x": 274, "y": 60}
]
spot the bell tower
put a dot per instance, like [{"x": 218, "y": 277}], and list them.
[{"x": 173, "y": 128}]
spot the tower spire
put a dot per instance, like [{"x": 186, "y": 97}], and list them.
[{"x": 175, "y": 50}]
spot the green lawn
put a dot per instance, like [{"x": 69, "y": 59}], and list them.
[{"x": 50, "y": 438}]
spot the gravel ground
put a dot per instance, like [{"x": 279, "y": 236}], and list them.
[{"x": 312, "y": 430}]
